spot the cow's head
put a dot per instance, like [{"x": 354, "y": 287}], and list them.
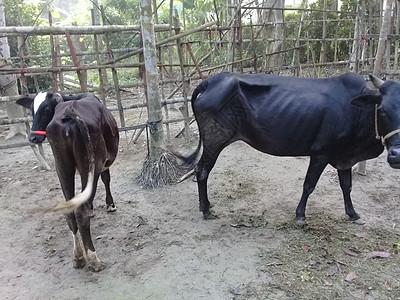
[
  {"x": 42, "y": 108},
  {"x": 387, "y": 101}
]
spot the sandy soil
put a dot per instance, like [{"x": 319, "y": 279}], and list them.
[{"x": 157, "y": 246}]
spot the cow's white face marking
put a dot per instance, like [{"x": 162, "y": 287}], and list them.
[{"x": 38, "y": 100}]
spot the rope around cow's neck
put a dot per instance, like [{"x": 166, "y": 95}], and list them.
[
  {"x": 392, "y": 133},
  {"x": 377, "y": 135}
]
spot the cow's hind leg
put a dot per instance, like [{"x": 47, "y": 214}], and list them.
[
  {"x": 106, "y": 178},
  {"x": 82, "y": 215},
  {"x": 78, "y": 256},
  {"x": 203, "y": 169},
  {"x": 317, "y": 165},
  {"x": 215, "y": 137},
  {"x": 202, "y": 172},
  {"x": 66, "y": 175},
  {"x": 79, "y": 259},
  {"x": 346, "y": 185}
]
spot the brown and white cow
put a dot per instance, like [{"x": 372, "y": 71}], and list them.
[{"x": 83, "y": 136}]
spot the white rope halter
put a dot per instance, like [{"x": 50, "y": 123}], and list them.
[{"x": 377, "y": 135}]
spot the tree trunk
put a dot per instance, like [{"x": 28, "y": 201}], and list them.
[
  {"x": 8, "y": 83},
  {"x": 380, "y": 52},
  {"x": 275, "y": 31},
  {"x": 155, "y": 130},
  {"x": 160, "y": 166}
]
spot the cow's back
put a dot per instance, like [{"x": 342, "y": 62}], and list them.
[
  {"x": 286, "y": 116},
  {"x": 99, "y": 121}
]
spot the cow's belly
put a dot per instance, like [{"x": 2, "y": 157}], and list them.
[{"x": 282, "y": 140}]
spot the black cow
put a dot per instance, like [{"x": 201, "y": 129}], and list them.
[
  {"x": 83, "y": 136},
  {"x": 336, "y": 121}
]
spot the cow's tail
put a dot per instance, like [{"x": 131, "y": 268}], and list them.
[
  {"x": 81, "y": 198},
  {"x": 78, "y": 200},
  {"x": 190, "y": 161}
]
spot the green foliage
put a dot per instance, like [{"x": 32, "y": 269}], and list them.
[
  {"x": 191, "y": 14},
  {"x": 338, "y": 25},
  {"x": 19, "y": 13},
  {"x": 22, "y": 14},
  {"x": 122, "y": 12}
]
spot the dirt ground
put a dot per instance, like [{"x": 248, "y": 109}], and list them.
[{"x": 157, "y": 245}]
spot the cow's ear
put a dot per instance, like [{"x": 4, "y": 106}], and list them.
[
  {"x": 366, "y": 101},
  {"x": 25, "y": 102}
]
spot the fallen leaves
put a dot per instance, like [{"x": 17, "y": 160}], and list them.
[
  {"x": 351, "y": 276},
  {"x": 379, "y": 254},
  {"x": 332, "y": 270},
  {"x": 305, "y": 276},
  {"x": 326, "y": 282},
  {"x": 352, "y": 252},
  {"x": 396, "y": 245}
]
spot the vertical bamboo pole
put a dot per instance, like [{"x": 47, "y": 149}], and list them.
[
  {"x": 115, "y": 79},
  {"x": 185, "y": 84},
  {"x": 161, "y": 74},
  {"x": 354, "y": 56},
  {"x": 253, "y": 45},
  {"x": 388, "y": 43},
  {"x": 96, "y": 43},
  {"x": 231, "y": 37},
  {"x": 296, "y": 52},
  {"x": 370, "y": 26},
  {"x": 24, "y": 90},
  {"x": 354, "y": 66},
  {"x": 155, "y": 117},
  {"x": 53, "y": 57},
  {"x": 58, "y": 62},
  {"x": 396, "y": 51},
  {"x": 363, "y": 27},
  {"x": 239, "y": 42},
  {"x": 383, "y": 38},
  {"x": 322, "y": 56},
  {"x": 171, "y": 33}
]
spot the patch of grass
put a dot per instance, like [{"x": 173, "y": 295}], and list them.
[
  {"x": 330, "y": 259},
  {"x": 250, "y": 221}
]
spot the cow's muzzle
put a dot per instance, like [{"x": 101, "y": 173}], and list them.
[
  {"x": 37, "y": 137},
  {"x": 393, "y": 157}
]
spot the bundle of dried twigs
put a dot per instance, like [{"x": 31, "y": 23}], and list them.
[{"x": 162, "y": 171}]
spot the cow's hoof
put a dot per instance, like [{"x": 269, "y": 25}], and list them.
[
  {"x": 111, "y": 208},
  {"x": 79, "y": 263},
  {"x": 209, "y": 216},
  {"x": 359, "y": 221},
  {"x": 97, "y": 266},
  {"x": 301, "y": 222}
]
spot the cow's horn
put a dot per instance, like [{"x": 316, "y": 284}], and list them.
[{"x": 376, "y": 81}]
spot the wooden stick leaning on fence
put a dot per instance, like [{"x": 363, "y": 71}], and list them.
[{"x": 167, "y": 40}]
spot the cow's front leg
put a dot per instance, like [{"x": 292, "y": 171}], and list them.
[
  {"x": 345, "y": 179},
  {"x": 315, "y": 168}
]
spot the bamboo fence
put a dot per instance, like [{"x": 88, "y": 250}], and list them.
[{"x": 242, "y": 38}]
